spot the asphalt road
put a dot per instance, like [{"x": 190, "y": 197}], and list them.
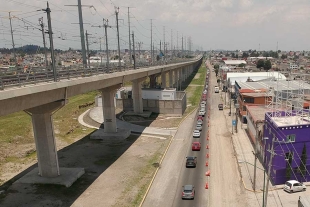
[{"x": 194, "y": 176}]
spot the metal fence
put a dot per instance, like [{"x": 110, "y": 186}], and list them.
[{"x": 17, "y": 78}]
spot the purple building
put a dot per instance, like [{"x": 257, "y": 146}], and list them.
[{"x": 289, "y": 138}]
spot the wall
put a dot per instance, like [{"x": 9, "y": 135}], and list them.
[
  {"x": 278, "y": 165},
  {"x": 170, "y": 107}
]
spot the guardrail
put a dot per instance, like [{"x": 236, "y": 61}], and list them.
[{"x": 18, "y": 78}]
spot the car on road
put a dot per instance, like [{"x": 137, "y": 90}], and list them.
[
  {"x": 220, "y": 106},
  {"x": 196, "y": 146},
  {"x": 188, "y": 192},
  {"x": 204, "y": 97},
  {"x": 202, "y": 112},
  {"x": 203, "y": 103},
  {"x": 205, "y": 92},
  {"x": 199, "y": 121},
  {"x": 216, "y": 89},
  {"x": 200, "y": 117},
  {"x": 198, "y": 127},
  {"x": 191, "y": 161},
  {"x": 196, "y": 133},
  {"x": 294, "y": 186}
]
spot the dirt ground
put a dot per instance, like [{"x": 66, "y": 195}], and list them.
[{"x": 122, "y": 169}]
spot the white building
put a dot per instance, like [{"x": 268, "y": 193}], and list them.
[
  {"x": 293, "y": 66},
  {"x": 254, "y": 76}
]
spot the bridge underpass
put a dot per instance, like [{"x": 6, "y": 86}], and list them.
[{"x": 42, "y": 100}]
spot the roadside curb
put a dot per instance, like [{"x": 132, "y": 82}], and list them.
[{"x": 161, "y": 160}]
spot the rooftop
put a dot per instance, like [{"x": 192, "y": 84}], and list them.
[
  {"x": 234, "y": 62},
  {"x": 257, "y": 112},
  {"x": 285, "y": 121},
  {"x": 280, "y": 85}
]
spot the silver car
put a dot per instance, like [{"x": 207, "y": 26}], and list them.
[
  {"x": 188, "y": 192},
  {"x": 199, "y": 127}
]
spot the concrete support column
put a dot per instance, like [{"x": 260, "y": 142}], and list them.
[
  {"x": 170, "y": 78},
  {"x": 188, "y": 72},
  {"x": 45, "y": 138},
  {"x": 183, "y": 77},
  {"x": 108, "y": 108},
  {"x": 152, "y": 81},
  {"x": 163, "y": 80},
  {"x": 176, "y": 78},
  {"x": 137, "y": 95}
]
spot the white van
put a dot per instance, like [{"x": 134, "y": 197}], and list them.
[{"x": 216, "y": 89}]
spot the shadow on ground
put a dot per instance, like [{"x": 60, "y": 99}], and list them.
[{"x": 92, "y": 155}]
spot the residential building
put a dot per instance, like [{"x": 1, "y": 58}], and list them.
[{"x": 286, "y": 143}]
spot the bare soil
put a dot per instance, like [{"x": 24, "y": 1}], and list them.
[{"x": 121, "y": 169}]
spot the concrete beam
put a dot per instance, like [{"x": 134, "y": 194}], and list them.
[
  {"x": 137, "y": 96},
  {"x": 44, "y": 138},
  {"x": 21, "y": 98},
  {"x": 108, "y": 108}
]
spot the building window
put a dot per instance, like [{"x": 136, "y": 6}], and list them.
[
  {"x": 244, "y": 108},
  {"x": 290, "y": 138},
  {"x": 248, "y": 100}
]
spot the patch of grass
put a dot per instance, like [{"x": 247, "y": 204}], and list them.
[
  {"x": 202, "y": 76},
  {"x": 142, "y": 179}
]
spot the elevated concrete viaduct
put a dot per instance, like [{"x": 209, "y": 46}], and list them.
[{"x": 42, "y": 100}]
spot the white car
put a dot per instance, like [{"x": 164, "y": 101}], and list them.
[
  {"x": 294, "y": 186},
  {"x": 196, "y": 134},
  {"x": 203, "y": 103},
  {"x": 205, "y": 92},
  {"x": 202, "y": 112}
]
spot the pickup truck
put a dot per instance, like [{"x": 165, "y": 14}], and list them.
[{"x": 220, "y": 106}]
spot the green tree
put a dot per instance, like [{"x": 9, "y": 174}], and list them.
[
  {"x": 216, "y": 69},
  {"x": 233, "y": 55},
  {"x": 283, "y": 56},
  {"x": 260, "y": 63},
  {"x": 242, "y": 65},
  {"x": 303, "y": 161},
  {"x": 267, "y": 65},
  {"x": 288, "y": 170},
  {"x": 245, "y": 55}
]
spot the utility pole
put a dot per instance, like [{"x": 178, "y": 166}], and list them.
[
  {"x": 50, "y": 33},
  {"x": 130, "y": 57},
  {"x": 255, "y": 154},
  {"x": 177, "y": 41},
  {"x": 13, "y": 44},
  {"x": 171, "y": 44},
  {"x": 185, "y": 44},
  {"x": 139, "y": 45},
  {"x": 118, "y": 45},
  {"x": 164, "y": 35},
  {"x": 82, "y": 33},
  {"x": 134, "y": 52},
  {"x": 44, "y": 44},
  {"x": 151, "y": 40},
  {"x": 272, "y": 153},
  {"x": 106, "y": 24},
  {"x": 101, "y": 53},
  {"x": 87, "y": 49},
  {"x": 182, "y": 46}
]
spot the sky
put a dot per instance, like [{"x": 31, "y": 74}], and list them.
[{"x": 211, "y": 24}]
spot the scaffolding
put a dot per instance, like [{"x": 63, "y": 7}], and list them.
[{"x": 289, "y": 102}]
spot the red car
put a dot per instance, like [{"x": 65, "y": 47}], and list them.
[
  {"x": 200, "y": 117},
  {"x": 196, "y": 146},
  {"x": 204, "y": 97}
]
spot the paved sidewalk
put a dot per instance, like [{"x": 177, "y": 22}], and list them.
[{"x": 96, "y": 115}]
